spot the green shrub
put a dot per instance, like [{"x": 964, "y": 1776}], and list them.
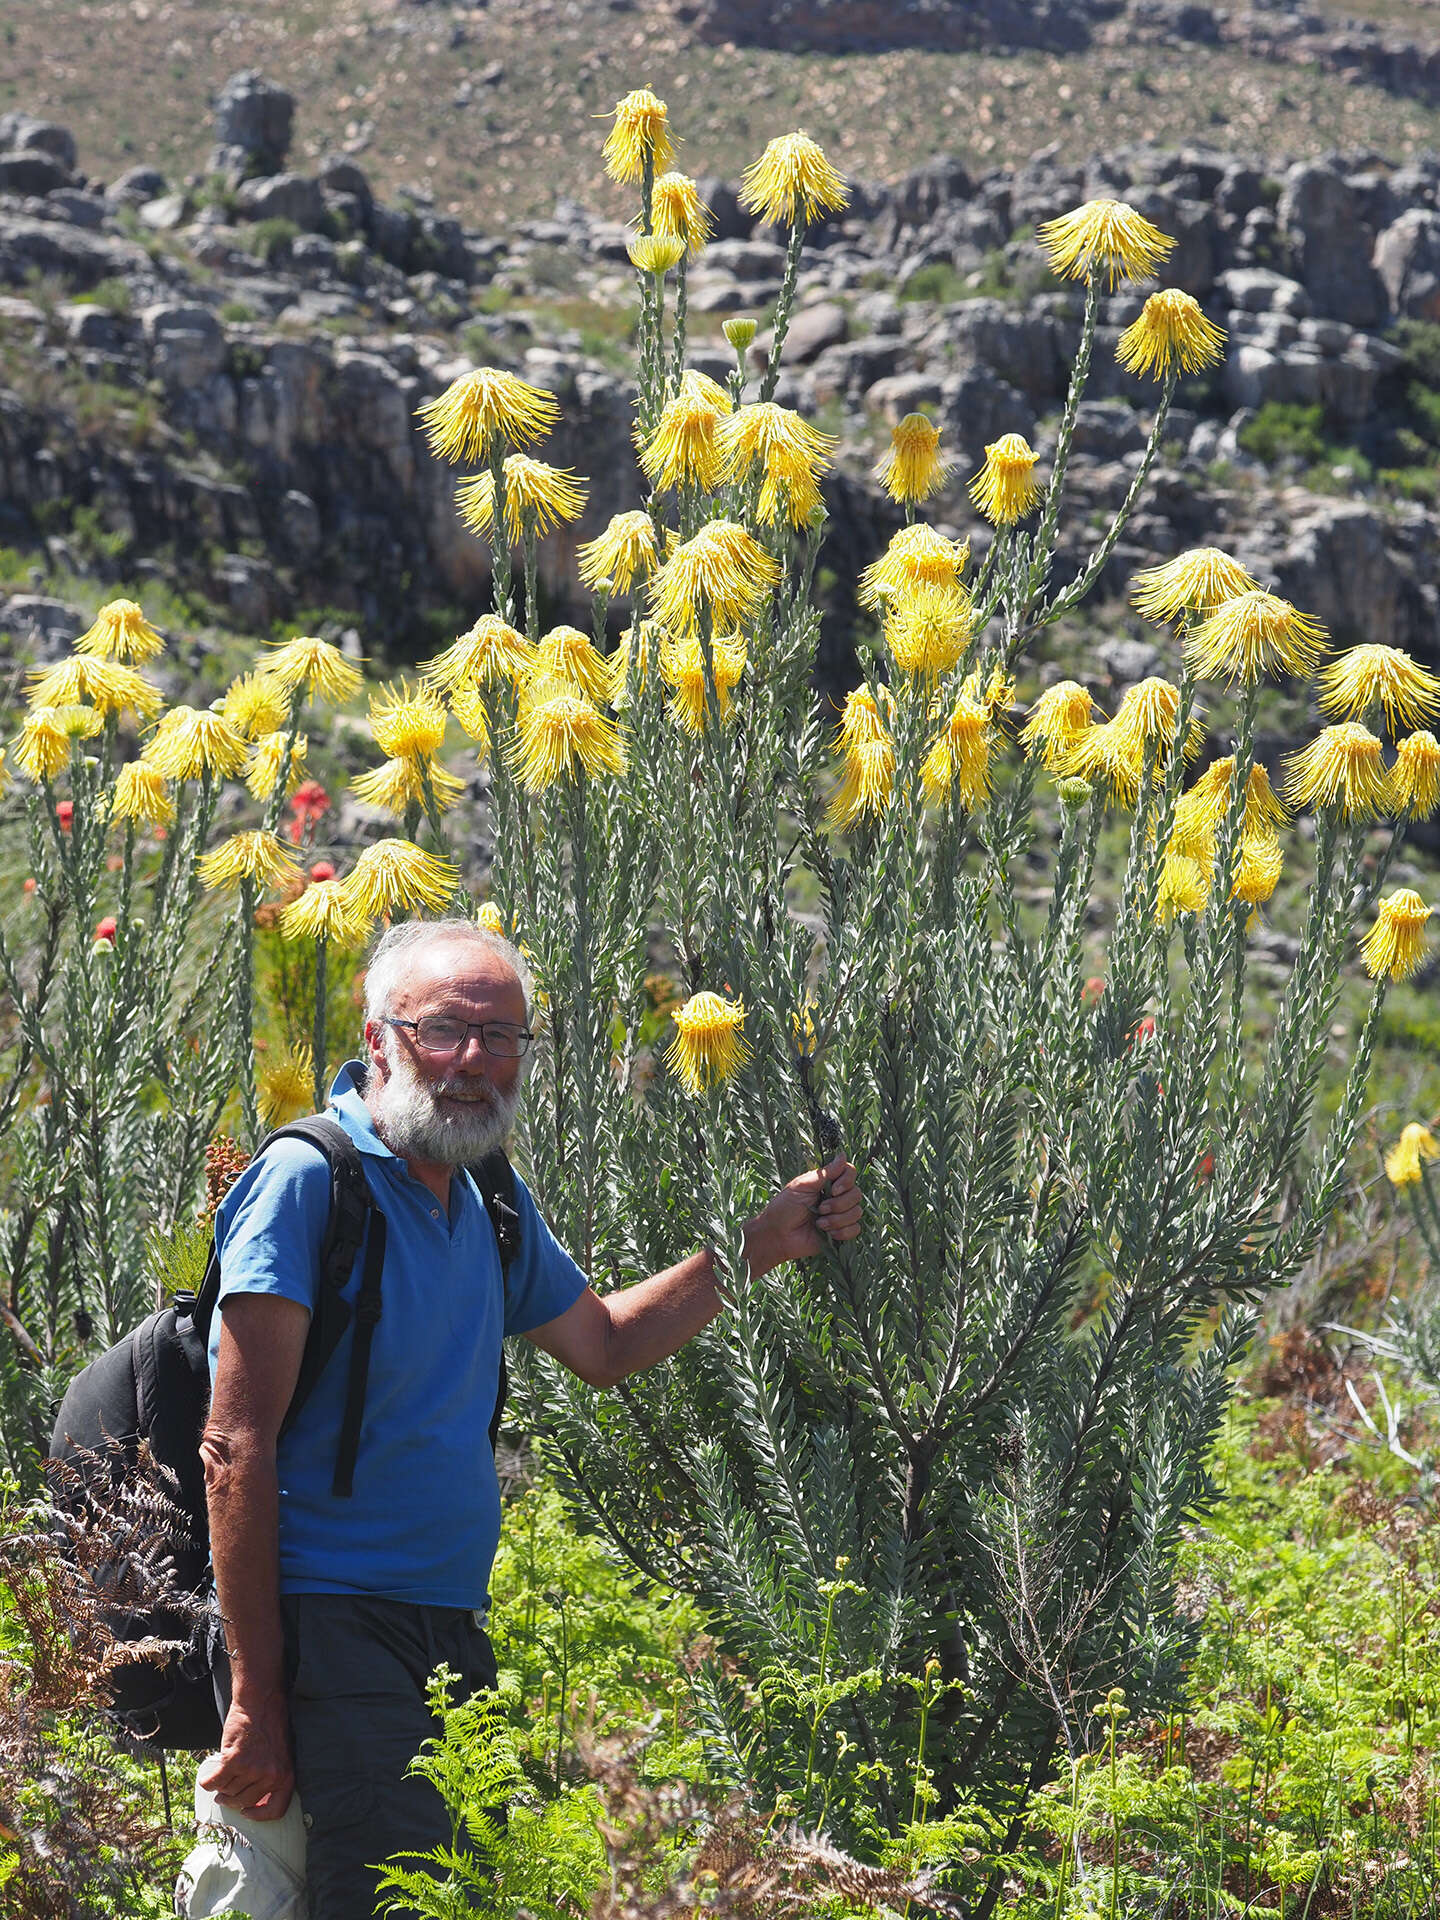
[
  {"x": 1284, "y": 431},
  {"x": 269, "y": 239}
]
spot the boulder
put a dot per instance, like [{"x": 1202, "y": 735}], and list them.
[
  {"x": 187, "y": 344},
  {"x": 72, "y": 204},
  {"x": 135, "y": 186},
  {"x": 80, "y": 259},
  {"x": 338, "y": 173},
  {"x": 1019, "y": 346},
  {"x": 45, "y": 628},
  {"x": 282, "y": 196},
  {"x": 165, "y": 214},
  {"x": 847, "y": 371},
  {"x": 925, "y": 190},
  {"x": 1320, "y": 216},
  {"x": 745, "y": 260},
  {"x": 979, "y": 408},
  {"x": 37, "y": 173},
  {"x": 23, "y": 133},
  {"x": 732, "y": 222},
  {"x": 1337, "y": 567},
  {"x": 253, "y": 123},
  {"x": 1259, "y": 290},
  {"x": 1407, "y": 259},
  {"x": 812, "y": 330},
  {"x": 1107, "y": 429},
  {"x": 902, "y": 393}
]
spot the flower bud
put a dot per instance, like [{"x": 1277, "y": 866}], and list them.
[
  {"x": 322, "y": 870},
  {"x": 1074, "y": 793},
  {"x": 739, "y": 332}
]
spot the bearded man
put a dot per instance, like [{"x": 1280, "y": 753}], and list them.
[{"x": 337, "y": 1610}]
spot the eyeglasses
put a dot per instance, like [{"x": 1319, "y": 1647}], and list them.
[{"x": 436, "y": 1034}]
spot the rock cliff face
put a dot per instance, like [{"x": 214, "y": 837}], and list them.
[{"x": 220, "y": 385}]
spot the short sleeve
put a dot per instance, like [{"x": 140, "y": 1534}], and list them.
[
  {"x": 543, "y": 1281},
  {"x": 271, "y": 1224}
]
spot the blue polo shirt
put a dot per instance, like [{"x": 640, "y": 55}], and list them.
[{"x": 424, "y": 1520}]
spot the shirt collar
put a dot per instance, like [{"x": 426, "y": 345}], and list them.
[{"x": 347, "y": 1097}]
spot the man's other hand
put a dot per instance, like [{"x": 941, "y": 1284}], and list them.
[
  {"x": 253, "y": 1771},
  {"x": 808, "y": 1211}
]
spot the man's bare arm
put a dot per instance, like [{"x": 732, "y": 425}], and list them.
[
  {"x": 262, "y": 1338},
  {"x": 605, "y": 1338}
]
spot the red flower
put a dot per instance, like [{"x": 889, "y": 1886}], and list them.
[
  {"x": 1205, "y": 1169},
  {"x": 161, "y": 833},
  {"x": 1092, "y": 989},
  {"x": 322, "y": 870},
  {"x": 114, "y": 862},
  {"x": 1146, "y": 1029},
  {"x": 309, "y": 800},
  {"x": 64, "y": 813},
  {"x": 105, "y": 929},
  {"x": 30, "y": 884}
]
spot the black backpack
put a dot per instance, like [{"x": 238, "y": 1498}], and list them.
[{"x": 145, "y": 1401}]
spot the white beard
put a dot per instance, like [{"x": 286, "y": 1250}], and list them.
[{"x": 417, "y": 1122}]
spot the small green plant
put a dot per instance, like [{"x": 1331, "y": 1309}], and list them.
[
  {"x": 112, "y": 293},
  {"x": 1284, "y": 431},
  {"x": 270, "y": 239}
]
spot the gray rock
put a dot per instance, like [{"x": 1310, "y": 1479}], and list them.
[
  {"x": 53, "y": 246},
  {"x": 849, "y": 370},
  {"x": 253, "y": 123},
  {"x": 812, "y": 330},
  {"x": 165, "y": 214},
  {"x": 902, "y": 393},
  {"x": 187, "y": 344},
  {"x": 732, "y": 222},
  {"x": 23, "y": 133},
  {"x": 338, "y": 173},
  {"x": 135, "y": 186},
  {"x": 391, "y": 230},
  {"x": 979, "y": 408},
  {"x": 718, "y": 293},
  {"x": 90, "y": 326},
  {"x": 1407, "y": 259},
  {"x": 1107, "y": 429},
  {"x": 923, "y": 192},
  {"x": 745, "y": 259},
  {"x": 45, "y": 628},
  {"x": 282, "y": 196},
  {"x": 1019, "y": 346},
  {"x": 1330, "y": 244},
  {"x": 1259, "y": 290},
  {"x": 250, "y": 590},
  {"x": 72, "y": 204},
  {"x": 1127, "y": 661},
  {"x": 1337, "y": 567},
  {"x": 37, "y": 172},
  {"x": 299, "y": 525}
]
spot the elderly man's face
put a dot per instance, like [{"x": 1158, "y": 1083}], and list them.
[{"x": 455, "y": 1107}]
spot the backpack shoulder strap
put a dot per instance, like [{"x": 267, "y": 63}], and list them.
[{"x": 495, "y": 1178}]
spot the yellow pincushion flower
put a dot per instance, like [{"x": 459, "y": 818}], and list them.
[
  {"x": 1110, "y": 756},
  {"x": 557, "y": 730},
  {"x": 683, "y": 451},
  {"x": 655, "y": 253},
  {"x": 959, "y": 757},
  {"x": 1264, "y": 811},
  {"x": 43, "y": 746},
  {"x": 1148, "y": 714},
  {"x": 287, "y": 1089},
  {"x": 861, "y": 718},
  {"x": 1005, "y": 489},
  {"x": 722, "y": 568},
  {"x": 1060, "y": 717},
  {"x": 928, "y": 629},
  {"x": 867, "y": 779},
  {"x": 325, "y": 911},
  {"x": 255, "y": 705},
  {"x": 407, "y": 721},
  {"x": 191, "y": 742},
  {"x": 641, "y": 134},
  {"x": 1252, "y": 634},
  {"x": 1342, "y": 768},
  {"x": 399, "y": 784},
  {"x": 913, "y": 469},
  {"x": 792, "y": 182},
  {"x": 1395, "y": 945},
  {"x": 708, "y": 1045},
  {"x": 121, "y": 632},
  {"x": 1380, "y": 676},
  {"x": 1402, "y": 1163},
  {"x": 631, "y": 659},
  {"x": 678, "y": 213},
  {"x": 106, "y": 685},
  {"x": 306, "y": 664},
  {"x": 682, "y": 668},
  {"x": 248, "y": 856},
  {"x": 1209, "y": 799},
  {"x": 1172, "y": 332},
  {"x": 787, "y": 451},
  {"x": 269, "y": 757},
  {"x": 1415, "y": 776},
  {"x": 141, "y": 792},
  {"x": 461, "y": 422},
  {"x": 485, "y": 655},
  {"x": 1258, "y": 872},
  {"x": 1193, "y": 582},
  {"x": 917, "y": 556},
  {"x": 489, "y": 919},
  {"x": 625, "y": 552},
  {"x": 537, "y": 495},
  {"x": 740, "y": 331},
  {"x": 565, "y": 653},
  {"x": 468, "y": 706},
  {"x": 1183, "y": 886},
  {"x": 396, "y": 875},
  {"x": 1103, "y": 237}
]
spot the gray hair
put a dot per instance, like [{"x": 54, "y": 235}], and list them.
[{"x": 397, "y": 945}]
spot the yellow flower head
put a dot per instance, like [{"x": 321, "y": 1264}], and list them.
[
  {"x": 1111, "y": 756},
  {"x": 313, "y": 666},
  {"x": 917, "y": 556},
  {"x": 1005, "y": 489},
  {"x": 565, "y": 653},
  {"x": 1183, "y": 886},
  {"x": 707, "y": 1046},
  {"x": 1402, "y": 1163},
  {"x": 536, "y": 495},
  {"x": 1264, "y": 811},
  {"x": 255, "y": 705},
  {"x": 912, "y": 469},
  {"x": 121, "y": 632},
  {"x": 1058, "y": 719},
  {"x": 997, "y": 695},
  {"x": 462, "y": 421},
  {"x": 723, "y": 568},
  {"x": 787, "y": 451},
  {"x": 792, "y": 182},
  {"x": 1251, "y": 634},
  {"x": 487, "y": 654},
  {"x": 325, "y": 911},
  {"x": 1258, "y": 872},
  {"x": 1103, "y": 237},
  {"x": 1395, "y": 945},
  {"x": 1415, "y": 776},
  {"x": 641, "y": 133},
  {"x": 248, "y": 856},
  {"x": 740, "y": 331},
  {"x": 557, "y": 730},
  {"x": 287, "y": 1089},
  {"x": 867, "y": 780},
  {"x": 407, "y": 721},
  {"x": 633, "y": 656},
  {"x": 928, "y": 629},
  {"x": 393, "y": 875},
  {"x": 1171, "y": 332},
  {"x": 1193, "y": 582},
  {"x": 655, "y": 253},
  {"x": 682, "y": 668},
  {"x": 468, "y": 706},
  {"x": 625, "y": 552},
  {"x": 678, "y": 212},
  {"x": 1380, "y": 676},
  {"x": 399, "y": 783},
  {"x": 683, "y": 450},
  {"x": 269, "y": 756},
  {"x": 1149, "y": 714},
  {"x": 142, "y": 793},
  {"x": 489, "y": 919},
  {"x": 1342, "y": 768},
  {"x": 960, "y": 756},
  {"x": 862, "y": 719},
  {"x": 104, "y": 684},
  {"x": 190, "y": 742},
  {"x": 43, "y": 746}
]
